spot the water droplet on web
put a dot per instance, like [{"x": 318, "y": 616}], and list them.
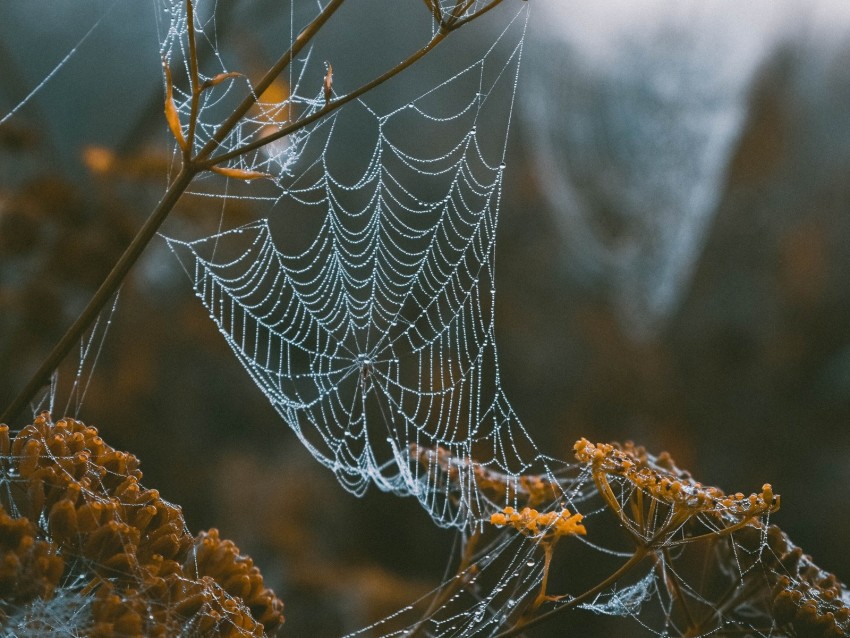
[
  {"x": 511, "y": 602},
  {"x": 530, "y": 563}
]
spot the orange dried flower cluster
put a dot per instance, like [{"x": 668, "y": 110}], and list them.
[
  {"x": 150, "y": 577},
  {"x": 547, "y": 528},
  {"x": 531, "y": 489},
  {"x": 807, "y": 598},
  {"x": 530, "y": 522},
  {"x": 655, "y": 498},
  {"x": 660, "y": 478},
  {"x": 220, "y": 560},
  {"x": 29, "y": 568}
]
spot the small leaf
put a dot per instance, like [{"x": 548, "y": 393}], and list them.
[
  {"x": 238, "y": 173},
  {"x": 218, "y": 79},
  {"x": 328, "y": 84},
  {"x": 171, "y": 115}
]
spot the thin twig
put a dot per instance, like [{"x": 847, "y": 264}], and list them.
[
  {"x": 335, "y": 104},
  {"x": 331, "y": 106},
  {"x": 673, "y": 577},
  {"x": 266, "y": 81}
]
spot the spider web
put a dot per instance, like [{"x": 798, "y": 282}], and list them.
[{"x": 375, "y": 343}]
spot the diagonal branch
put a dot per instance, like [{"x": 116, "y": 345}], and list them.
[
  {"x": 333, "y": 105},
  {"x": 104, "y": 293}
]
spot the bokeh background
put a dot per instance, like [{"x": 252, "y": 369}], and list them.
[{"x": 673, "y": 268}]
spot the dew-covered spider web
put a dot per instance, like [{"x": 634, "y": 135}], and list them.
[{"x": 375, "y": 341}]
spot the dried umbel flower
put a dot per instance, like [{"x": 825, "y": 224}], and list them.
[
  {"x": 126, "y": 548},
  {"x": 805, "y": 597},
  {"x": 642, "y": 489},
  {"x": 29, "y": 567},
  {"x": 542, "y": 525},
  {"x": 721, "y": 559},
  {"x": 546, "y": 529}
]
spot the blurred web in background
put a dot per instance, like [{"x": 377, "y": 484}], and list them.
[{"x": 633, "y": 161}]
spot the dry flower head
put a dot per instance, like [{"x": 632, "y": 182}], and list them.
[{"x": 147, "y": 574}]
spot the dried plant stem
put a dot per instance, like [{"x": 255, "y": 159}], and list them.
[
  {"x": 442, "y": 33},
  {"x": 329, "y": 107},
  {"x": 104, "y": 293},
  {"x": 672, "y": 579},
  {"x": 194, "y": 80},
  {"x": 265, "y": 82}
]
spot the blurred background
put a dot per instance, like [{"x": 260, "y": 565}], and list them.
[{"x": 673, "y": 267}]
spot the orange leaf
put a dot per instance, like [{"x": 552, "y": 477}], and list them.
[
  {"x": 218, "y": 79},
  {"x": 171, "y": 115},
  {"x": 238, "y": 173}
]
